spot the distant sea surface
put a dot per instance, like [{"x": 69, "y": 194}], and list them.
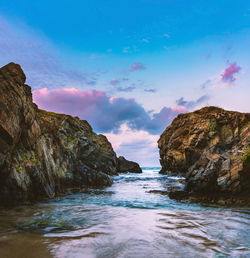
[{"x": 125, "y": 220}]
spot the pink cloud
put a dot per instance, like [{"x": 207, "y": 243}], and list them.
[
  {"x": 114, "y": 82},
  {"x": 136, "y": 66},
  {"x": 104, "y": 113},
  {"x": 179, "y": 109},
  {"x": 136, "y": 145},
  {"x": 228, "y": 75},
  {"x": 69, "y": 100}
]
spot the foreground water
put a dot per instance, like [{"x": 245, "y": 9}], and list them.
[{"x": 125, "y": 220}]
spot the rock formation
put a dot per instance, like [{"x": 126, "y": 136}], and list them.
[
  {"x": 125, "y": 166},
  {"x": 42, "y": 153},
  {"x": 210, "y": 147}
]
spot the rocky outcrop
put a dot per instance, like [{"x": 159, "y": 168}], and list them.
[
  {"x": 210, "y": 147},
  {"x": 43, "y": 153},
  {"x": 125, "y": 166}
]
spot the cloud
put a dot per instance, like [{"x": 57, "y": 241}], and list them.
[
  {"x": 150, "y": 90},
  {"x": 224, "y": 80},
  {"x": 40, "y": 60},
  {"x": 166, "y": 35},
  {"x": 136, "y": 66},
  {"x": 129, "y": 49},
  {"x": 114, "y": 82},
  {"x": 92, "y": 82},
  {"x": 206, "y": 84},
  {"x": 126, "y": 89},
  {"x": 135, "y": 145},
  {"x": 94, "y": 56},
  {"x": 193, "y": 103},
  {"x": 165, "y": 116},
  {"x": 126, "y": 50},
  {"x": 228, "y": 76},
  {"x": 104, "y": 113},
  {"x": 207, "y": 56}
]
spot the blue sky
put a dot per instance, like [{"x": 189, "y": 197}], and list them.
[{"x": 142, "y": 62}]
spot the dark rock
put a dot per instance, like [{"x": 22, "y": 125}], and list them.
[
  {"x": 178, "y": 195},
  {"x": 125, "y": 166},
  {"x": 158, "y": 192},
  {"x": 42, "y": 154},
  {"x": 223, "y": 199},
  {"x": 87, "y": 177},
  {"x": 213, "y": 153}
]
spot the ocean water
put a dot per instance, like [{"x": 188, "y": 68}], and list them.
[{"x": 125, "y": 220}]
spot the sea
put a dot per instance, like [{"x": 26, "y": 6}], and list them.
[{"x": 133, "y": 218}]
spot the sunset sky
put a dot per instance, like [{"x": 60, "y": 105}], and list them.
[{"x": 129, "y": 67}]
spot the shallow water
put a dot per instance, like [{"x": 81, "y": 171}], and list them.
[{"x": 125, "y": 220}]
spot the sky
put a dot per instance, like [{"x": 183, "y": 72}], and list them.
[{"x": 130, "y": 67}]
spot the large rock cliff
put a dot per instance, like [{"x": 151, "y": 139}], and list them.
[
  {"x": 42, "y": 153},
  {"x": 210, "y": 147}
]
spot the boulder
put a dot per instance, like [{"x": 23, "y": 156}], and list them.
[{"x": 125, "y": 166}]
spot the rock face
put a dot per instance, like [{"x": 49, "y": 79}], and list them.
[
  {"x": 210, "y": 147},
  {"x": 42, "y": 154},
  {"x": 125, "y": 166}
]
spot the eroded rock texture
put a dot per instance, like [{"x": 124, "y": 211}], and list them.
[
  {"x": 210, "y": 147},
  {"x": 44, "y": 153}
]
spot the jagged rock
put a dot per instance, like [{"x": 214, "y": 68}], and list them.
[
  {"x": 125, "y": 166},
  {"x": 43, "y": 153},
  {"x": 210, "y": 147}
]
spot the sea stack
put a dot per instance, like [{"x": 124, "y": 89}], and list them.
[{"x": 211, "y": 148}]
